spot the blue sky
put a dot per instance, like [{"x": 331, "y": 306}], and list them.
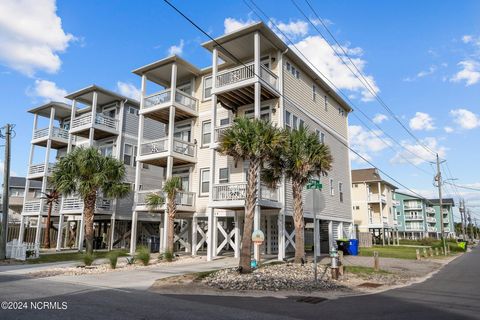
[{"x": 423, "y": 57}]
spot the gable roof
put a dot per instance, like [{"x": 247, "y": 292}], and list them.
[{"x": 369, "y": 175}]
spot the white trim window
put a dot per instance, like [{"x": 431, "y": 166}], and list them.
[
  {"x": 127, "y": 154},
  {"x": 325, "y": 97},
  {"x": 206, "y": 132},
  {"x": 264, "y": 113},
  {"x": 314, "y": 92},
  {"x": 204, "y": 181},
  {"x": 332, "y": 188},
  {"x": 133, "y": 111},
  {"x": 223, "y": 175},
  {"x": 288, "y": 119},
  {"x": 207, "y": 87},
  {"x": 340, "y": 191}
]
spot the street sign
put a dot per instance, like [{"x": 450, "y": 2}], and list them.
[
  {"x": 258, "y": 236},
  {"x": 314, "y": 184}
]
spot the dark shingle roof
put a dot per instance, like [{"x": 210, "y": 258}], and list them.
[
  {"x": 444, "y": 201},
  {"x": 368, "y": 175}
]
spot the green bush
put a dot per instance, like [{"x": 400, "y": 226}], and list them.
[
  {"x": 143, "y": 254},
  {"x": 88, "y": 259},
  {"x": 112, "y": 257},
  {"x": 167, "y": 256}
]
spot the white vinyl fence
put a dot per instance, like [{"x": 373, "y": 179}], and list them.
[{"x": 22, "y": 251}]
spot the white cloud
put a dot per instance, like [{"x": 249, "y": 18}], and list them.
[
  {"x": 366, "y": 143},
  {"x": 467, "y": 38},
  {"x": 417, "y": 153},
  {"x": 232, "y": 24},
  {"x": 321, "y": 55},
  {"x": 292, "y": 29},
  {"x": 31, "y": 36},
  {"x": 176, "y": 49},
  {"x": 422, "y": 121},
  {"x": 428, "y": 72},
  {"x": 465, "y": 118},
  {"x": 379, "y": 118},
  {"x": 128, "y": 90},
  {"x": 448, "y": 129},
  {"x": 48, "y": 90},
  {"x": 470, "y": 72}
]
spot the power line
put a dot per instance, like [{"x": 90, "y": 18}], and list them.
[
  {"x": 329, "y": 128},
  {"x": 463, "y": 187},
  {"x": 345, "y": 96},
  {"x": 365, "y": 81}
]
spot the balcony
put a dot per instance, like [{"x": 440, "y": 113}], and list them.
[
  {"x": 376, "y": 198},
  {"x": 446, "y": 220},
  {"x": 72, "y": 205},
  {"x": 375, "y": 221},
  {"x": 432, "y": 229},
  {"x": 37, "y": 171},
  {"x": 32, "y": 207},
  {"x": 395, "y": 203},
  {"x": 413, "y": 217},
  {"x": 104, "y": 126},
  {"x": 414, "y": 228},
  {"x": 232, "y": 195},
  {"x": 59, "y": 137},
  {"x": 446, "y": 229},
  {"x": 156, "y": 152},
  {"x": 235, "y": 87},
  {"x": 184, "y": 200},
  {"x": 430, "y": 210},
  {"x": 157, "y": 106},
  {"x": 431, "y": 220},
  {"x": 413, "y": 207},
  {"x": 219, "y": 132}
]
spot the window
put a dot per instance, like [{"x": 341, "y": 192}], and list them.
[
  {"x": 135, "y": 150},
  {"x": 301, "y": 124},
  {"x": 332, "y": 188},
  {"x": 127, "y": 154},
  {"x": 294, "y": 71},
  {"x": 341, "y": 112},
  {"x": 204, "y": 181},
  {"x": 207, "y": 87},
  {"x": 297, "y": 74},
  {"x": 314, "y": 93},
  {"x": 223, "y": 175},
  {"x": 264, "y": 113},
  {"x": 224, "y": 121},
  {"x": 289, "y": 67},
  {"x": 133, "y": 111},
  {"x": 16, "y": 192},
  {"x": 106, "y": 150},
  {"x": 295, "y": 122},
  {"x": 340, "y": 191},
  {"x": 326, "y": 102},
  {"x": 288, "y": 117},
  {"x": 357, "y": 207},
  {"x": 206, "y": 132},
  {"x": 322, "y": 137}
]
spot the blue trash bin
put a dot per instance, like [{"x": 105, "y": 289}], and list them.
[{"x": 353, "y": 247}]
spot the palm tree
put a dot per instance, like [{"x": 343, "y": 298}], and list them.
[
  {"x": 170, "y": 188},
  {"x": 255, "y": 141},
  {"x": 85, "y": 172},
  {"x": 51, "y": 199},
  {"x": 302, "y": 158}
]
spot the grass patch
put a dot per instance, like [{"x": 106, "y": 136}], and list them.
[
  {"x": 363, "y": 270},
  {"x": 69, "y": 256},
  {"x": 399, "y": 252}
]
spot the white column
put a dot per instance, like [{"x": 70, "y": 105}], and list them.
[
  {"x": 215, "y": 235},
  {"x": 188, "y": 241},
  {"x": 81, "y": 233},
  {"x": 165, "y": 231},
  {"x": 281, "y": 234},
  {"x": 112, "y": 233},
  {"x": 94, "y": 114},
  {"x": 133, "y": 237},
  {"x": 269, "y": 234},
  {"x": 194, "y": 235},
  {"x": 161, "y": 234},
  {"x": 138, "y": 170},
  {"x": 21, "y": 232},
  {"x": 257, "y": 102},
  {"x": 237, "y": 235},
  {"x": 59, "y": 233},
  {"x": 317, "y": 237},
  {"x": 45, "y": 175},
  {"x": 330, "y": 235},
  {"x": 381, "y": 211},
  {"x": 72, "y": 117}
]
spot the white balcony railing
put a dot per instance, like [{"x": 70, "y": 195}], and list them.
[
  {"x": 245, "y": 72},
  {"x": 154, "y": 147},
  {"x": 184, "y": 147},
  {"x": 412, "y": 207},
  {"x": 76, "y": 204},
  {"x": 100, "y": 119},
  {"x": 269, "y": 77},
  {"x": 220, "y": 130},
  {"x": 32, "y": 206},
  {"x": 186, "y": 100},
  {"x": 446, "y": 220},
  {"x": 413, "y": 217},
  {"x": 183, "y": 198},
  {"x": 446, "y": 229},
  {"x": 238, "y": 191},
  {"x": 430, "y": 210},
  {"x": 157, "y": 98},
  {"x": 432, "y": 229},
  {"x": 414, "y": 228},
  {"x": 373, "y": 197},
  {"x": 40, "y": 168},
  {"x": 56, "y": 133},
  {"x": 431, "y": 220}
]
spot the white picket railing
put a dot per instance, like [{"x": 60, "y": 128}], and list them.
[
  {"x": 238, "y": 191},
  {"x": 100, "y": 119},
  {"x": 269, "y": 77},
  {"x": 183, "y": 198},
  {"x": 157, "y": 98},
  {"x": 32, "y": 206},
  {"x": 231, "y": 76},
  {"x": 20, "y": 250},
  {"x": 431, "y": 229},
  {"x": 184, "y": 147},
  {"x": 431, "y": 219},
  {"x": 413, "y": 217},
  {"x": 153, "y": 147},
  {"x": 40, "y": 168},
  {"x": 430, "y": 210},
  {"x": 76, "y": 204},
  {"x": 267, "y": 193},
  {"x": 82, "y": 120},
  {"x": 56, "y": 133}
]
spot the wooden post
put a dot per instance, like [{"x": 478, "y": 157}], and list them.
[
  {"x": 418, "y": 254},
  {"x": 436, "y": 251},
  {"x": 430, "y": 252},
  {"x": 340, "y": 262},
  {"x": 376, "y": 261},
  {"x": 425, "y": 253}
]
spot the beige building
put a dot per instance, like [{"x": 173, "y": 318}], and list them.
[{"x": 373, "y": 200}]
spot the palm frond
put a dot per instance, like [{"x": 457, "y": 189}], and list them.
[{"x": 154, "y": 200}]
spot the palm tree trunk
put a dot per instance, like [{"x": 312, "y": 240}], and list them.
[
  {"x": 250, "y": 201},
  {"x": 298, "y": 221},
  {"x": 172, "y": 208},
  {"x": 46, "y": 237},
  {"x": 88, "y": 214}
]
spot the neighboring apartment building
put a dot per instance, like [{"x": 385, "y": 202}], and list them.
[
  {"x": 99, "y": 118},
  {"x": 433, "y": 211},
  {"x": 412, "y": 219},
  {"x": 16, "y": 194},
  {"x": 373, "y": 201},
  {"x": 192, "y": 109}
]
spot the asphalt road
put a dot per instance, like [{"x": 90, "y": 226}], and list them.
[{"x": 452, "y": 293}]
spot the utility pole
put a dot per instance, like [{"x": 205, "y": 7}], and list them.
[
  {"x": 6, "y": 176},
  {"x": 438, "y": 178},
  {"x": 462, "y": 217},
  {"x": 476, "y": 228},
  {"x": 471, "y": 224}
]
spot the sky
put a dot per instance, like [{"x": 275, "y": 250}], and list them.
[{"x": 420, "y": 59}]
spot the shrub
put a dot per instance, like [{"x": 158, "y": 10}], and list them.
[
  {"x": 88, "y": 259},
  {"x": 130, "y": 260},
  {"x": 167, "y": 256},
  {"x": 143, "y": 254},
  {"x": 112, "y": 257}
]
